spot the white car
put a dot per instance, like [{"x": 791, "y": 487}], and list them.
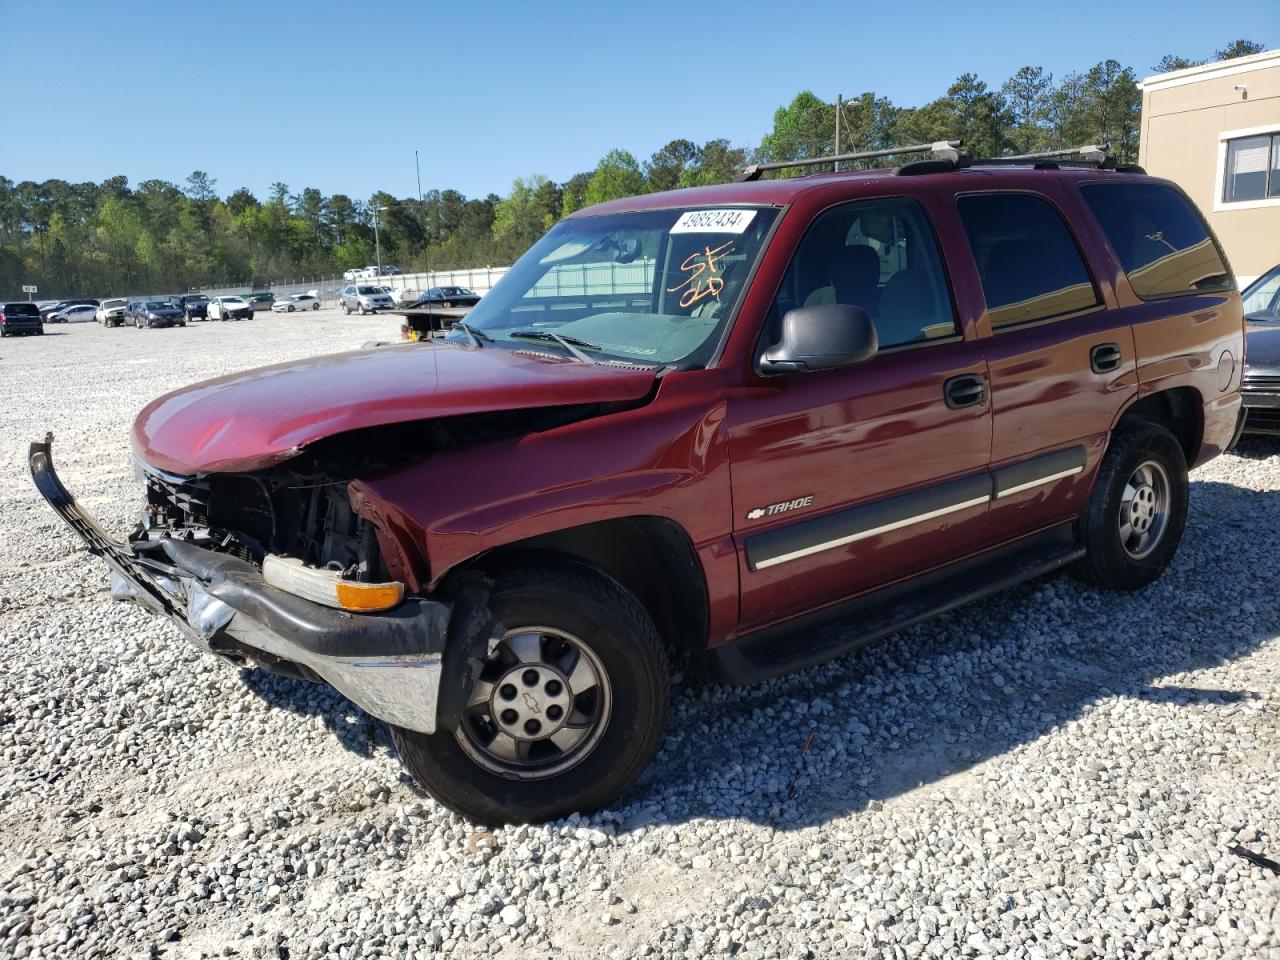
[
  {"x": 296, "y": 301},
  {"x": 355, "y": 273},
  {"x": 74, "y": 314},
  {"x": 111, "y": 312},
  {"x": 230, "y": 308}
]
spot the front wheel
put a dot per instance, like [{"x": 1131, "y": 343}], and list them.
[
  {"x": 1138, "y": 509},
  {"x": 567, "y": 712}
]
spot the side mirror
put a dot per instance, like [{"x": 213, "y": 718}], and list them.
[{"x": 821, "y": 338}]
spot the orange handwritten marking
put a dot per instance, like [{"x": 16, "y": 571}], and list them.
[{"x": 699, "y": 287}]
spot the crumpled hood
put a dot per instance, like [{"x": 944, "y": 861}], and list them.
[{"x": 254, "y": 419}]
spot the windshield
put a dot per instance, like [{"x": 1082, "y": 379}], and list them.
[
  {"x": 114, "y": 303},
  {"x": 370, "y": 291},
  {"x": 201, "y": 298},
  {"x": 1262, "y": 297},
  {"x": 158, "y": 304},
  {"x": 233, "y": 301},
  {"x": 654, "y": 287}
]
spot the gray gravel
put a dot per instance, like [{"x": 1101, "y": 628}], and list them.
[{"x": 1055, "y": 772}]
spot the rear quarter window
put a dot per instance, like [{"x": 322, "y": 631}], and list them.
[{"x": 1162, "y": 242}]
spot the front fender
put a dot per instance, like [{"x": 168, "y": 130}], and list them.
[{"x": 667, "y": 459}]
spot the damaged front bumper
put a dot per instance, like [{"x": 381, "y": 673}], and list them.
[{"x": 409, "y": 666}]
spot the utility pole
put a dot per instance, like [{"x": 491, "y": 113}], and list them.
[
  {"x": 417, "y": 166},
  {"x": 377, "y": 244},
  {"x": 839, "y": 110}
]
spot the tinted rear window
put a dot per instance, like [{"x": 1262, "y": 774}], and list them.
[
  {"x": 1160, "y": 238},
  {"x": 20, "y": 310},
  {"x": 1029, "y": 263}
]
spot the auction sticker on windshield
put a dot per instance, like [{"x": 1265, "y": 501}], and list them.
[{"x": 714, "y": 221}]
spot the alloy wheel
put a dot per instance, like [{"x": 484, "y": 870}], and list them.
[
  {"x": 1144, "y": 509},
  {"x": 539, "y": 707}
]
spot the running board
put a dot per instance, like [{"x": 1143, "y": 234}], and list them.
[{"x": 831, "y": 633}]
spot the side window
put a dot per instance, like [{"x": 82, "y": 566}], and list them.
[
  {"x": 1028, "y": 262},
  {"x": 1163, "y": 244},
  {"x": 879, "y": 255}
]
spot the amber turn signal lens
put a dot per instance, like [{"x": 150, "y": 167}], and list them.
[
  {"x": 364, "y": 597},
  {"x": 327, "y": 586}
]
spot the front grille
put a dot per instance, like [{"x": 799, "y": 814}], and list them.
[{"x": 1260, "y": 382}]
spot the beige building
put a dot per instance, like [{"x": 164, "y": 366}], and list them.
[{"x": 1215, "y": 131}]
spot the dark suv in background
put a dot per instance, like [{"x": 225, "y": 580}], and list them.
[
  {"x": 20, "y": 317},
  {"x": 757, "y": 424},
  {"x": 194, "y": 306}
]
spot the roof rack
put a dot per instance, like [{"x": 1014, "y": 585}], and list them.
[
  {"x": 1097, "y": 154},
  {"x": 946, "y": 151}
]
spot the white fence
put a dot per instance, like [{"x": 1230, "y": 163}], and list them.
[
  {"x": 567, "y": 279},
  {"x": 480, "y": 279}
]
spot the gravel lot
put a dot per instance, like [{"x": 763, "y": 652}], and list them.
[{"x": 1052, "y": 773}]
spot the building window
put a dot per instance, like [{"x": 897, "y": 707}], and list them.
[{"x": 1252, "y": 169}]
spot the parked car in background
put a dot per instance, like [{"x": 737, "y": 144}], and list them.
[
  {"x": 365, "y": 298},
  {"x": 230, "y": 308},
  {"x": 194, "y": 306},
  {"x": 20, "y": 317},
  {"x": 448, "y": 297},
  {"x": 260, "y": 300},
  {"x": 355, "y": 273},
  {"x": 1260, "y": 391},
  {"x": 79, "y": 313},
  {"x": 48, "y": 312},
  {"x": 154, "y": 313},
  {"x": 296, "y": 301},
  {"x": 111, "y": 311}
]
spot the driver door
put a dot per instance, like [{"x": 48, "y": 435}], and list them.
[{"x": 850, "y": 479}]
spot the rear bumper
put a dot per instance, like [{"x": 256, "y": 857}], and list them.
[
  {"x": 11, "y": 328},
  {"x": 393, "y": 664}
]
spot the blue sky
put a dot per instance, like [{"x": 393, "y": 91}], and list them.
[{"x": 339, "y": 95}]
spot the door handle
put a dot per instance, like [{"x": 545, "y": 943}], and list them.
[
  {"x": 966, "y": 390},
  {"x": 1104, "y": 357}
]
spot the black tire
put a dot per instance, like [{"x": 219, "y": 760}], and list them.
[
  {"x": 1114, "y": 562},
  {"x": 583, "y": 602},
  {"x": 346, "y": 311},
  {"x": 316, "y": 305}
]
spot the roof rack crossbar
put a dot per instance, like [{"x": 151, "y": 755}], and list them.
[
  {"x": 1095, "y": 153},
  {"x": 941, "y": 149}
]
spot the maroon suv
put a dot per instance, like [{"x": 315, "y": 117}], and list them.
[{"x": 762, "y": 422}]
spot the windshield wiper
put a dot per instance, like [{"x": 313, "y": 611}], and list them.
[
  {"x": 571, "y": 344},
  {"x": 475, "y": 335}
]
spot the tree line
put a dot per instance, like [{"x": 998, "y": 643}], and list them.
[{"x": 110, "y": 238}]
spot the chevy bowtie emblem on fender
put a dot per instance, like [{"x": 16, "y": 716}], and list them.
[{"x": 776, "y": 508}]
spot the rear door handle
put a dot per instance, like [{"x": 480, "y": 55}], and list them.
[
  {"x": 966, "y": 390},
  {"x": 1104, "y": 357}
]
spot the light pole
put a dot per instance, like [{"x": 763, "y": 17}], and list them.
[{"x": 377, "y": 244}]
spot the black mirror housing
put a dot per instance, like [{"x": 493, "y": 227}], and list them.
[{"x": 821, "y": 338}]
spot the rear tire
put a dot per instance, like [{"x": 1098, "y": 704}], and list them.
[
  {"x": 552, "y": 615},
  {"x": 1137, "y": 511}
]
